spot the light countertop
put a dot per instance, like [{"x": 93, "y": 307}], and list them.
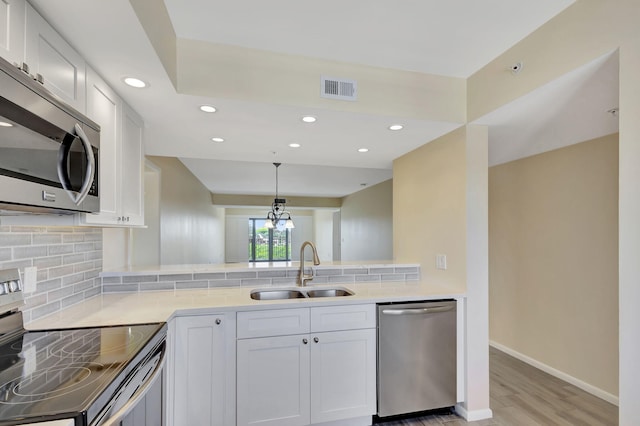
[{"x": 159, "y": 306}]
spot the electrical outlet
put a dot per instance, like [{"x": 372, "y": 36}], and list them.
[
  {"x": 441, "y": 261},
  {"x": 29, "y": 280}
]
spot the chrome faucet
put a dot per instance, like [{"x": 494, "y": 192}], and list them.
[{"x": 302, "y": 277}]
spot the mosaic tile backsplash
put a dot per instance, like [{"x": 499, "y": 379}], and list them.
[{"x": 68, "y": 259}]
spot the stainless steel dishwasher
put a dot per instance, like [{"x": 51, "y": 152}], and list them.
[{"x": 416, "y": 357}]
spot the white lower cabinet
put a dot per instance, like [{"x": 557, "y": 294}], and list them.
[
  {"x": 202, "y": 389},
  {"x": 343, "y": 375},
  {"x": 273, "y": 381},
  {"x": 302, "y": 379}
]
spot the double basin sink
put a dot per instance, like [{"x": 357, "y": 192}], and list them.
[{"x": 298, "y": 293}]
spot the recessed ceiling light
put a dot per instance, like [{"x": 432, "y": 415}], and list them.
[
  {"x": 396, "y": 127},
  {"x": 294, "y": 145},
  {"x": 308, "y": 119},
  {"x": 363, "y": 150},
  {"x": 5, "y": 124},
  {"x": 207, "y": 108},
  {"x": 217, "y": 139},
  {"x": 135, "y": 82}
]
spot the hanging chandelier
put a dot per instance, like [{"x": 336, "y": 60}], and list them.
[{"x": 278, "y": 212}]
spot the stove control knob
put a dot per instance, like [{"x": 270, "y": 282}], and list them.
[
  {"x": 4, "y": 289},
  {"x": 13, "y": 286}
]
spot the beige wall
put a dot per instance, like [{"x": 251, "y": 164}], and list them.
[
  {"x": 191, "y": 228},
  {"x": 429, "y": 208},
  {"x": 323, "y": 233},
  {"x": 366, "y": 224},
  {"x": 553, "y": 258},
  {"x": 440, "y": 207},
  {"x": 584, "y": 31}
]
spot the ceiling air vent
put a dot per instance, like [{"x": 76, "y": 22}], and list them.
[{"x": 338, "y": 88}]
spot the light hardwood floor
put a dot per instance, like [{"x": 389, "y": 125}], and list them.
[{"x": 522, "y": 395}]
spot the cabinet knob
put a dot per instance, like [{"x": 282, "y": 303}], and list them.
[
  {"x": 315, "y": 339},
  {"x": 305, "y": 341},
  {"x": 218, "y": 321}
]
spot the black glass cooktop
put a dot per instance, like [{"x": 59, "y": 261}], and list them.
[{"x": 48, "y": 375}]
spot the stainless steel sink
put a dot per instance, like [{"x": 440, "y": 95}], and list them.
[
  {"x": 329, "y": 292},
  {"x": 273, "y": 294},
  {"x": 298, "y": 293}
]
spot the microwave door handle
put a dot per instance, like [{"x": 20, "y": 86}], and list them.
[
  {"x": 89, "y": 174},
  {"x": 91, "y": 165}
]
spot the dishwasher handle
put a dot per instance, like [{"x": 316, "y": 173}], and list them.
[{"x": 419, "y": 311}]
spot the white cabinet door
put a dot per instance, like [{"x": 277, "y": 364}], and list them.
[
  {"x": 104, "y": 107},
  {"x": 132, "y": 168},
  {"x": 204, "y": 371},
  {"x": 12, "y": 30},
  {"x": 121, "y": 168},
  {"x": 48, "y": 54},
  {"x": 343, "y": 375},
  {"x": 273, "y": 381}
]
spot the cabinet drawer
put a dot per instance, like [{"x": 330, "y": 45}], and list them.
[
  {"x": 279, "y": 322},
  {"x": 350, "y": 317}
]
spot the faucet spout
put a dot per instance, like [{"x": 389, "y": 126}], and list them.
[{"x": 302, "y": 277}]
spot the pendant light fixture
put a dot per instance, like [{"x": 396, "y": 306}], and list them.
[{"x": 278, "y": 211}]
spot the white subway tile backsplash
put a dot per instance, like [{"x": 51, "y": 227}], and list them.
[
  {"x": 139, "y": 278},
  {"x": 176, "y": 277},
  {"x": 120, "y": 288},
  {"x": 224, "y": 283},
  {"x": 29, "y": 252},
  {"x": 46, "y": 239},
  {"x": 68, "y": 262},
  {"x": 12, "y": 240},
  {"x": 60, "y": 249},
  {"x": 153, "y": 286},
  {"x": 47, "y": 262},
  {"x": 192, "y": 284}
]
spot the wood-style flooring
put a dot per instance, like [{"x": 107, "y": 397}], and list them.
[{"x": 522, "y": 395}]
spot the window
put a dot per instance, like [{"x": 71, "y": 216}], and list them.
[{"x": 268, "y": 245}]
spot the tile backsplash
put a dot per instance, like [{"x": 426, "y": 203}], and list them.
[
  {"x": 123, "y": 282},
  {"x": 68, "y": 261}
]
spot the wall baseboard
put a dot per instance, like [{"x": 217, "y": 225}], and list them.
[
  {"x": 472, "y": 416},
  {"x": 613, "y": 399}
]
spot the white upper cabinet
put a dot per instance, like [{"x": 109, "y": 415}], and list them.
[
  {"x": 26, "y": 37},
  {"x": 120, "y": 181},
  {"x": 105, "y": 108},
  {"x": 48, "y": 54},
  {"x": 12, "y": 14},
  {"x": 132, "y": 169}
]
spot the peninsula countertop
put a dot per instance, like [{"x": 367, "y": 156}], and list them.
[{"x": 160, "y": 306}]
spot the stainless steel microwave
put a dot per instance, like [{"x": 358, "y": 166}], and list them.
[{"x": 48, "y": 151}]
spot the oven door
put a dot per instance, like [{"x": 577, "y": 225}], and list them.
[{"x": 139, "y": 402}]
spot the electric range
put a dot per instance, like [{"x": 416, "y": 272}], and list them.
[{"x": 84, "y": 374}]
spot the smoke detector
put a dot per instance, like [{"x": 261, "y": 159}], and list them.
[{"x": 516, "y": 68}]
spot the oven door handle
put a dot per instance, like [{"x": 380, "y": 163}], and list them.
[{"x": 116, "y": 418}]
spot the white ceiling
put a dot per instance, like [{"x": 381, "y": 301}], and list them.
[{"x": 453, "y": 38}]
